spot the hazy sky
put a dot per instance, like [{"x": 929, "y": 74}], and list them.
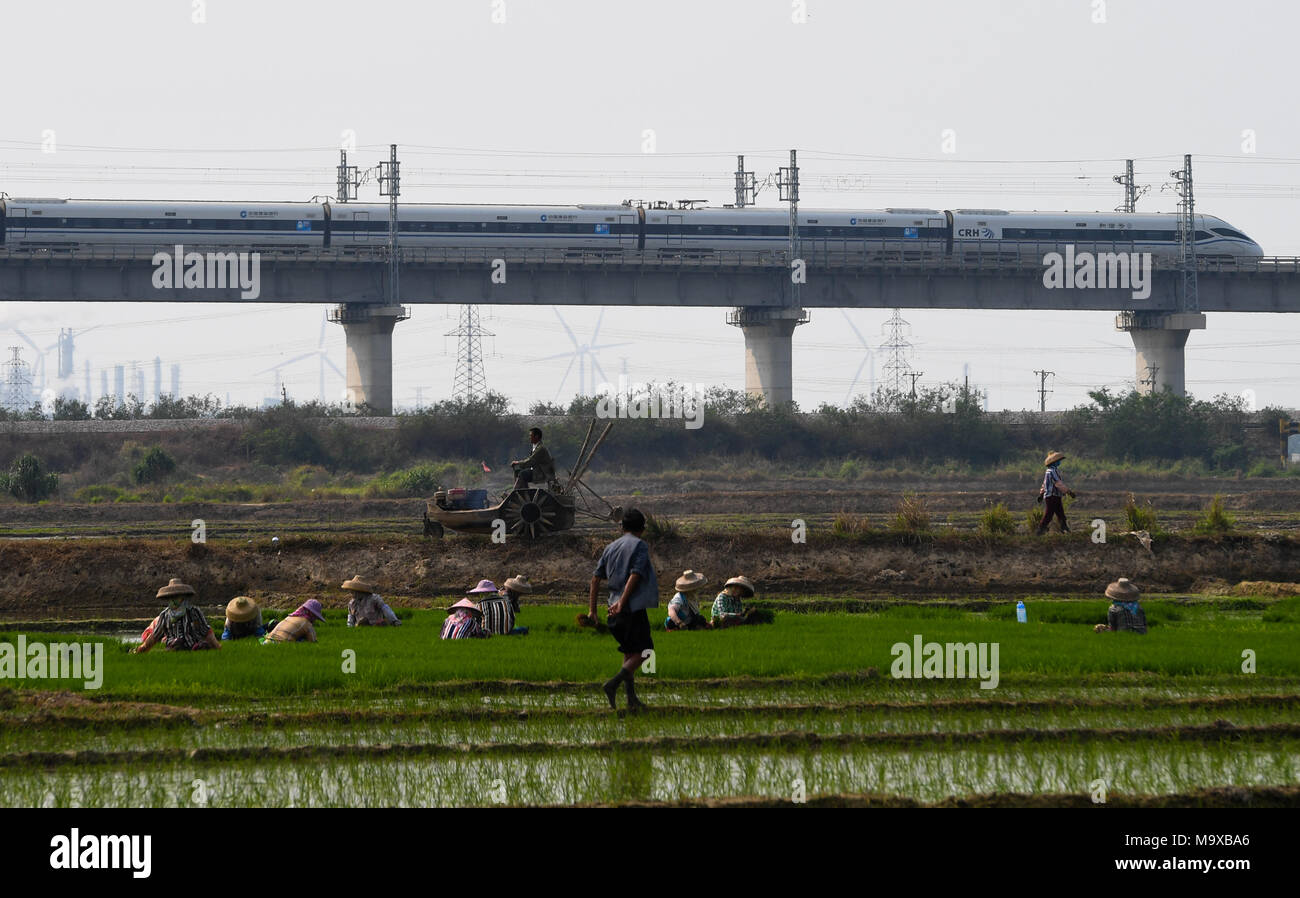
[{"x": 1042, "y": 102}]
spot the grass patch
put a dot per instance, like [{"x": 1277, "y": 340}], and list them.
[{"x": 1215, "y": 519}]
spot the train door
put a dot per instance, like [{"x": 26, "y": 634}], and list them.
[
  {"x": 627, "y": 230},
  {"x": 16, "y": 226},
  {"x": 361, "y": 226},
  {"x": 674, "y": 230},
  {"x": 937, "y": 236}
]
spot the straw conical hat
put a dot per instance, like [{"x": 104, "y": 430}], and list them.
[
  {"x": 359, "y": 584},
  {"x": 743, "y": 582},
  {"x": 175, "y": 588},
  {"x": 690, "y": 580},
  {"x": 1054, "y": 457},
  {"x": 241, "y": 609},
  {"x": 1122, "y": 589}
]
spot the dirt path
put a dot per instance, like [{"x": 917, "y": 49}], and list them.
[{"x": 117, "y": 578}]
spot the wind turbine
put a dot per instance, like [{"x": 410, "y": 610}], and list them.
[
  {"x": 319, "y": 353},
  {"x": 582, "y": 352},
  {"x": 868, "y": 359}
]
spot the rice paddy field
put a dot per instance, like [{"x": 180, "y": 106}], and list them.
[{"x": 1204, "y": 710}]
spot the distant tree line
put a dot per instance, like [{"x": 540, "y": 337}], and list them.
[{"x": 940, "y": 424}]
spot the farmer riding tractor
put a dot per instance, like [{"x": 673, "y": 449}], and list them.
[{"x": 529, "y": 511}]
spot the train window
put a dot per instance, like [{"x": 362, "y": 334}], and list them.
[{"x": 1229, "y": 232}]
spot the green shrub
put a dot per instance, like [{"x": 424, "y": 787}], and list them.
[
  {"x": 997, "y": 521},
  {"x": 657, "y": 528},
  {"x": 846, "y": 524},
  {"x": 1033, "y": 518},
  {"x": 155, "y": 466},
  {"x": 1215, "y": 519},
  {"x": 1139, "y": 517},
  {"x": 29, "y": 481},
  {"x": 418, "y": 481},
  {"x": 1263, "y": 468},
  {"x": 912, "y": 517},
  {"x": 99, "y": 493}
]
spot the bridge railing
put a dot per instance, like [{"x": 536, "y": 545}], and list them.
[{"x": 913, "y": 257}]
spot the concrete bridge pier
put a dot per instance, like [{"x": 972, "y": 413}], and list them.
[
  {"x": 369, "y": 332},
  {"x": 769, "y": 347},
  {"x": 1159, "y": 339}
]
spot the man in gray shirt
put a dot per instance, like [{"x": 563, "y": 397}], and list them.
[{"x": 633, "y": 588}]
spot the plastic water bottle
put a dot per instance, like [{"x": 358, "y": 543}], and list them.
[{"x": 1021, "y": 617}]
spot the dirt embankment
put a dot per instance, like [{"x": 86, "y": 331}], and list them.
[
  {"x": 118, "y": 577},
  {"x": 1104, "y": 494}
]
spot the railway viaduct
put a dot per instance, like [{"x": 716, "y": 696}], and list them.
[{"x": 756, "y": 287}]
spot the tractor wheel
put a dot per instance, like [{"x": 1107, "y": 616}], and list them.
[{"x": 532, "y": 512}]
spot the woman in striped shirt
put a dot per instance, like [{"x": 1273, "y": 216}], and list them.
[{"x": 465, "y": 621}]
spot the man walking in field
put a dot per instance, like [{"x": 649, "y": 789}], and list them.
[{"x": 633, "y": 588}]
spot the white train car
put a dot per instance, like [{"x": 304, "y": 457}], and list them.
[
  {"x": 35, "y": 223},
  {"x": 695, "y": 232},
  {"x": 992, "y": 231},
  {"x": 581, "y": 229}
]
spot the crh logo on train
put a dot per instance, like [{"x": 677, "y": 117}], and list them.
[
  {"x": 208, "y": 271},
  {"x": 1098, "y": 271}
]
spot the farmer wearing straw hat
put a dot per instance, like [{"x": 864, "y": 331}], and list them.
[
  {"x": 729, "y": 608},
  {"x": 683, "y": 613},
  {"x": 366, "y": 608},
  {"x": 1051, "y": 491},
  {"x": 465, "y": 618},
  {"x": 499, "y": 610},
  {"x": 297, "y": 627},
  {"x": 633, "y": 588},
  {"x": 243, "y": 619},
  {"x": 180, "y": 626},
  {"x": 1124, "y": 613}
]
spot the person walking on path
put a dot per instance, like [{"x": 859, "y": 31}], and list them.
[
  {"x": 633, "y": 588},
  {"x": 1051, "y": 491}
]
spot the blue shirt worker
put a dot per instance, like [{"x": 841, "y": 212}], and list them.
[{"x": 633, "y": 588}]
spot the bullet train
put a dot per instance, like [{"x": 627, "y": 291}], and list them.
[{"x": 659, "y": 229}]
